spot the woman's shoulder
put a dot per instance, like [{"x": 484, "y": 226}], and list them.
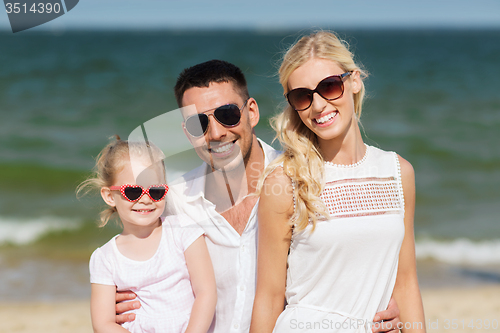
[
  {"x": 277, "y": 191},
  {"x": 407, "y": 171},
  {"x": 277, "y": 177},
  {"x": 378, "y": 153}
]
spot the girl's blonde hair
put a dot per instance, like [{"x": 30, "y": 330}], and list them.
[
  {"x": 111, "y": 161},
  {"x": 302, "y": 159}
]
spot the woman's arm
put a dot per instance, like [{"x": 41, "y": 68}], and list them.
[
  {"x": 202, "y": 277},
  {"x": 274, "y": 235},
  {"x": 102, "y": 309},
  {"x": 406, "y": 291}
]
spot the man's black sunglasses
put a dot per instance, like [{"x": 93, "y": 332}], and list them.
[{"x": 228, "y": 115}]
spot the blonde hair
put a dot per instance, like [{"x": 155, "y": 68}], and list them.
[
  {"x": 302, "y": 159},
  {"x": 111, "y": 161}
]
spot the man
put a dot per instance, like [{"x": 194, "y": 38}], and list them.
[{"x": 221, "y": 128}]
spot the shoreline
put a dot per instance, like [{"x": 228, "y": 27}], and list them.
[
  {"x": 434, "y": 274},
  {"x": 42, "y": 279},
  {"x": 465, "y": 308}
]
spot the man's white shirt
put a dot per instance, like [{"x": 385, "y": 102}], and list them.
[{"x": 233, "y": 256}]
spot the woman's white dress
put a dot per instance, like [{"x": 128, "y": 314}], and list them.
[{"x": 344, "y": 272}]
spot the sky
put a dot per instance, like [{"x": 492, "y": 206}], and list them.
[{"x": 275, "y": 14}]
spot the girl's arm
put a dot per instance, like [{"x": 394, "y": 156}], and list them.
[
  {"x": 102, "y": 309},
  {"x": 202, "y": 277},
  {"x": 406, "y": 291},
  {"x": 274, "y": 235}
]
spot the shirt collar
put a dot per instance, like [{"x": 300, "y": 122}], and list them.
[{"x": 270, "y": 154}]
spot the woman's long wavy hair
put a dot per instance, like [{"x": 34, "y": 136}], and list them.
[
  {"x": 111, "y": 161},
  {"x": 302, "y": 159}
]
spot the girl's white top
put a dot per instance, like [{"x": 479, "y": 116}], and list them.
[
  {"x": 344, "y": 271},
  {"x": 161, "y": 283}
]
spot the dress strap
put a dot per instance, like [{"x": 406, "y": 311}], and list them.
[{"x": 399, "y": 181}]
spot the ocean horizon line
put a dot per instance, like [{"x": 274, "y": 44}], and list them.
[{"x": 299, "y": 30}]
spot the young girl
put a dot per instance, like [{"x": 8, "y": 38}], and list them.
[
  {"x": 335, "y": 215},
  {"x": 164, "y": 261}
]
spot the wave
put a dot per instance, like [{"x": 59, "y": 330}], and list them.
[
  {"x": 460, "y": 251},
  {"x": 24, "y": 231}
]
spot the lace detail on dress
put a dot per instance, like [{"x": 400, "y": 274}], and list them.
[{"x": 362, "y": 197}]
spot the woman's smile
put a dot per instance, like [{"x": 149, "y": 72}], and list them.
[{"x": 326, "y": 118}]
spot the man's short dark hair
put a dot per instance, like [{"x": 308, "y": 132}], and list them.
[{"x": 203, "y": 74}]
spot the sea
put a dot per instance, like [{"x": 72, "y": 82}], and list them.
[{"x": 432, "y": 96}]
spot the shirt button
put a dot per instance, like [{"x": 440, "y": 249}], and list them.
[
  {"x": 242, "y": 248},
  {"x": 236, "y": 326},
  {"x": 242, "y": 288}
]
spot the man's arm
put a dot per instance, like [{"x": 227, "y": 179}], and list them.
[{"x": 123, "y": 304}]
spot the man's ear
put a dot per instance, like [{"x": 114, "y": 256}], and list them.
[
  {"x": 107, "y": 196},
  {"x": 253, "y": 112}
]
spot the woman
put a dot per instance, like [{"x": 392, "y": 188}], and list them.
[{"x": 335, "y": 215}]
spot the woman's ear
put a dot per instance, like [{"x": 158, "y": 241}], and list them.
[
  {"x": 356, "y": 82},
  {"x": 107, "y": 196}
]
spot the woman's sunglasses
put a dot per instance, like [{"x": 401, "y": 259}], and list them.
[
  {"x": 227, "y": 115},
  {"x": 330, "y": 88},
  {"x": 135, "y": 192}
]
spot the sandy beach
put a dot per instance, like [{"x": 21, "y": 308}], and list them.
[
  {"x": 471, "y": 309},
  {"x": 39, "y": 317},
  {"x": 474, "y": 309}
]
